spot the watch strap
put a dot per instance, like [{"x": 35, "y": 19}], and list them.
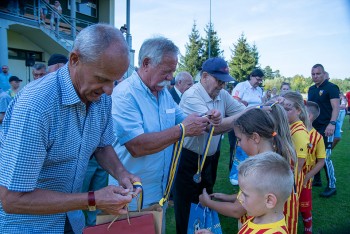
[{"x": 91, "y": 201}]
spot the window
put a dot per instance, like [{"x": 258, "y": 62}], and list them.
[
  {"x": 25, "y": 54},
  {"x": 86, "y": 7}
]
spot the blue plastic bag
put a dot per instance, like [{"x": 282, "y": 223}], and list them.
[
  {"x": 203, "y": 218},
  {"x": 240, "y": 156}
]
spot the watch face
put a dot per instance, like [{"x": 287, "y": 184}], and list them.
[{"x": 92, "y": 208}]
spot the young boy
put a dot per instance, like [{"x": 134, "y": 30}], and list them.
[
  {"x": 265, "y": 182},
  {"x": 314, "y": 163}
]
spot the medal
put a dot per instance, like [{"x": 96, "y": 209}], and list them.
[{"x": 197, "y": 178}]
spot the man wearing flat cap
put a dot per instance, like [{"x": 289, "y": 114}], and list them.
[
  {"x": 203, "y": 96},
  {"x": 56, "y": 61}
]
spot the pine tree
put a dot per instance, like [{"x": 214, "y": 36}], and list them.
[
  {"x": 244, "y": 59},
  {"x": 192, "y": 61},
  {"x": 214, "y": 43}
]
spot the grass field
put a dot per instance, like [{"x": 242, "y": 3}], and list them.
[{"x": 330, "y": 215}]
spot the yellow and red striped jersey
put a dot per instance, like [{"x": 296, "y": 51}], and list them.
[
  {"x": 249, "y": 227},
  {"x": 316, "y": 151},
  {"x": 300, "y": 138}
]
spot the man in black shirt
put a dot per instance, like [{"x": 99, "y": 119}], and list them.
[{"x": 326, "y": 95}]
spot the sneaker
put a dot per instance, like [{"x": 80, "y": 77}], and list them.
[
  {"x": 234, "y": 182},
  {"x": 328, "y": 192}
]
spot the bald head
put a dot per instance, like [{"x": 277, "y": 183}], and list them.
[{"x": 183, "y": 81}]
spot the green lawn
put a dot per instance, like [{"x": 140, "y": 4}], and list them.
[{"x": 330, "y": 215}]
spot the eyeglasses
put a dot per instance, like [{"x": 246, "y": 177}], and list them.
[
  {"x": 219, "y": 82},
  {"x": 258, "y": 79},
  {"x": 39, "y": 74}
]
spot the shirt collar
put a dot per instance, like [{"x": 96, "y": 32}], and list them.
[
  {"x": 177, "y": 91},
  {"x": 323, "y": 83},
  {"x": 69, "y": 95},
  {"x": 144, "y": 86},
  {"x": 250, "y": 85}
]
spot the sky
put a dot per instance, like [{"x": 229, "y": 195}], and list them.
[{"x": 291, "y": 36}]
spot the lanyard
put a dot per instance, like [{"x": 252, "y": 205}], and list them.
[
  {"x": 197, "y": 177},
  {"x": 174, "y": 165},
  {"x": 139, "y": 198}
]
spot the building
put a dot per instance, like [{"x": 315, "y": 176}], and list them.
[{"x": 26, "y": 39}]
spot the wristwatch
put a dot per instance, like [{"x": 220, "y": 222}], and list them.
[
  {"x": 333, "y": 122},
  {"x": 91, "y": 201}
]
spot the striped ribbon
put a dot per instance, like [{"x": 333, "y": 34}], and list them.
[{"x": 174, "y": 165}]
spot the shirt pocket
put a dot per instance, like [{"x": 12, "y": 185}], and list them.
[{"x": 170, "y": 118}]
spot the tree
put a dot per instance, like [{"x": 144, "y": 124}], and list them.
[
  {"x": 193, "y": 59},
  {"x": 214, "y": 43},
  {"x": 244, "y": 59},
  {"x": 268, "y": 73},
  {"x": 256, "y": 55}
]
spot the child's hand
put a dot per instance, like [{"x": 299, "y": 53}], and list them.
[
  {"x": 203, "y": 231},
  {"x": 204, "y": 198},
  {"x": 306, "y": 179}
]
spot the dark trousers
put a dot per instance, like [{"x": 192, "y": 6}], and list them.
[
  {"x": 232, "y": 139},
  {"x": 67, "y": 227},
  {"x": 186, "y": 191}
]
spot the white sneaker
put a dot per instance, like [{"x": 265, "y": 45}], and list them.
[{"x": 234, "y": 182}]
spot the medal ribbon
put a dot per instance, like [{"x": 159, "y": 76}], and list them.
[
  {"x": 204, "y": 155},
  {"x": 174, "y": 165},
  {"x": 139, "y": 198}
]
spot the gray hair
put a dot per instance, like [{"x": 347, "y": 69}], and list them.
[
  {"x": 181, "y": 75},
  {"x": 39, "y": 66},
  {"x": 271, "y": 173},
  {"x": 156, "y": 48},
  {"x": 93, "y": 41}
]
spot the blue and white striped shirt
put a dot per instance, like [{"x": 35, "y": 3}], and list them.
[{"x": 48, "y": 139}]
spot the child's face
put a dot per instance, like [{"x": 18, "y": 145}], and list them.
[
  {"x": 245, "y": 142},
  {"x": 292, "y": 112},
  {"x": 252, "y": 200},
  {"x": 311, "y": 117}
]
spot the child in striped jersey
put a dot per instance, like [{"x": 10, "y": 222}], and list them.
[
  {"x": 314, "y": 163},
  {"x": 265, "y": 182},
  {"x": 257, "y": 132},
  {"x": 298, "y": 122}
]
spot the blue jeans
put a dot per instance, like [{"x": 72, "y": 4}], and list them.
[{"x": 339, "y": 125}]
